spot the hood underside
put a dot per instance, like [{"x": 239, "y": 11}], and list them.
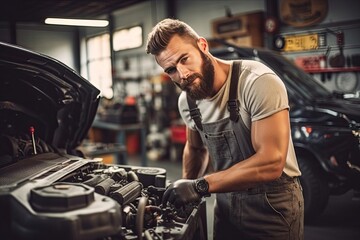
[{"x": 37, "y": 91}]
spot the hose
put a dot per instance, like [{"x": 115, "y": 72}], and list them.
[{"x": 140, "y": 217}]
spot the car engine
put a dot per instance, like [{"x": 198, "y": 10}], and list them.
[{"x": 52, "y": 195}]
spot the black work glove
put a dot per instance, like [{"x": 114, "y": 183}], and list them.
[{"x": 181, "y": 192}]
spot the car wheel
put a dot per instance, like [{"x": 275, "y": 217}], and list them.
[{"x": 315, "y": 188}]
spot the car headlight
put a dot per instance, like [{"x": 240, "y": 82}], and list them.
[{"x": 319, "y": 133}]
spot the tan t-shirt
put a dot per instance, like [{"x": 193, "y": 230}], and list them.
[{"x": 261, "y": 93}]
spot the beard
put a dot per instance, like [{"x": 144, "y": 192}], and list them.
[{"x": 203, "y": 88}]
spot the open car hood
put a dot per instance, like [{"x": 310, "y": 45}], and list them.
[{"x": 40, "y": 92}]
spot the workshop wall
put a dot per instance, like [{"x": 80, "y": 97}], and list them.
[
  {"x": 132, "y": 68},
  {"x": 137, "y": 67},
  {"x": 199, "y": 14},
  {"x": 337, "y": 70},
  {"x": 58, "y": 42},
  {"x": 341, "y": 16}
]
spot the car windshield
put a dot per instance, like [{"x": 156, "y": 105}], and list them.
[{"x": 294, "y": 77}]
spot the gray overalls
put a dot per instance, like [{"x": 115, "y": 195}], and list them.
[{"x": 272, "y": 210}]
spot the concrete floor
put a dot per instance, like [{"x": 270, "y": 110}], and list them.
[{"x": 340, "y": 220}]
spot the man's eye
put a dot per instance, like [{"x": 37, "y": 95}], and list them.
[
  {"x": 183, "y": 60},
  {"x": 170, "y": 70}
]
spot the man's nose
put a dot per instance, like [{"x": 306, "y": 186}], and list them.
[{"x": 183, "y": 72}]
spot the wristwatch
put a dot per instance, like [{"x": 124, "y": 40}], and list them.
[{"x": 202, "y": 187}]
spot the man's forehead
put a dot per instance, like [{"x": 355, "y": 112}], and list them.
[
  {"x": 167, "y": 57},
  {"x": 177, "y": 45}
]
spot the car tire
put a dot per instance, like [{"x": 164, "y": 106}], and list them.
[{"x": 315, "y": 188}]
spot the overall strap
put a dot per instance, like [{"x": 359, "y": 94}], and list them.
[
  {"x": 241, "y": 131},
  {"x": 233, "y": 102},
  {"x": 194, "y": 112}
]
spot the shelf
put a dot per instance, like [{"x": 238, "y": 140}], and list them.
[
  {"x": 121, "y": 129},
  {"x": 332, "y": 70}
]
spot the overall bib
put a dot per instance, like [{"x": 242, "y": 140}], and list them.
[{"x": 268, "y": 211}]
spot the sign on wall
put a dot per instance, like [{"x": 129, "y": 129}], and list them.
[{"x": 302, "y": 13}]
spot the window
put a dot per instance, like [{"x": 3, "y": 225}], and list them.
[
  {"x": 99, "y": 64},
  {"x": 127, "y": 38}
]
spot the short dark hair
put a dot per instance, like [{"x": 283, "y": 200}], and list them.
[{"x": 161, "y": 34}]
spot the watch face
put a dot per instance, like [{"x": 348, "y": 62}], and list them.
[{"x": 202, "y": 186}]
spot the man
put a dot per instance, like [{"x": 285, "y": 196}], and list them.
[{"x": 237, "y": 113}]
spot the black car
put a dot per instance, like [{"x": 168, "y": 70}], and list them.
[
  {"x": 48, "y": 189},
  {"x": 325, "y": 128}
]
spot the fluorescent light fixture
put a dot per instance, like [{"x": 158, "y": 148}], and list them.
[{"x": 77, "y": 22}]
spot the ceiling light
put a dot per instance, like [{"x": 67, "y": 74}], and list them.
[{"x": 77, "y": 22}]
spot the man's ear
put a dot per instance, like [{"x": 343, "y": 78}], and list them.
[{"x": 203, "y": 44}]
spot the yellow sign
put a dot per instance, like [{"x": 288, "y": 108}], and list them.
[{"x": 301, "y": 42}]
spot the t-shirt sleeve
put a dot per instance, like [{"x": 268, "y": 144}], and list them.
[
  {"x": 265, "y": 96},
  {"x": 184, "y": 111}
]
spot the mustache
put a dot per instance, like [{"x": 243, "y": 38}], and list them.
[{"x": 189, "y": 80}]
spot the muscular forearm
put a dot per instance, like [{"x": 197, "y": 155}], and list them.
[
  {"x": 195, "y": 161},
  {"x": 245, "y": 174}
]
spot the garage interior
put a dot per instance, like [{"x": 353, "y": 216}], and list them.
[{"x": 137, "y": 121}]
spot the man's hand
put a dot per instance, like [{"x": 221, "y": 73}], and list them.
[{"x": 181, "y": 192}]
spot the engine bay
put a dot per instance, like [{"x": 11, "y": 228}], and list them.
[{"x": 58, "y": 196}]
